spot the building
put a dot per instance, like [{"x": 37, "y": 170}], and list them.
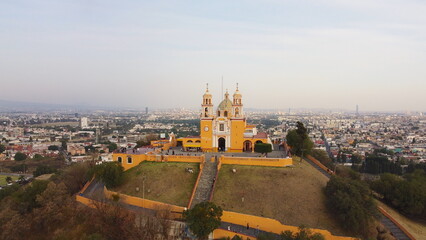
[
  {"x": 84, "y": 122},
  {"x": 225, "y": 129},
  {"x": 76, "y": 149}
]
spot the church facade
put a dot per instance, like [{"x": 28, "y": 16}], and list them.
[{"x": 224, "y": 128}]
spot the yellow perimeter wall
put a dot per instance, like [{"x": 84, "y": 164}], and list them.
[
  {"x": 138, "y": 158},
  {"x": 271, "y": 225},
  {"x": 145, "y": 203},
  {"x": 270, "y": 162},
  {"x": 261, "y": 223},
  {"x": 222, "y": 233},
  {"x": 314, "y": 160}
]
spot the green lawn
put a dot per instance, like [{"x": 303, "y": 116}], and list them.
[
  {"x": 292, "y": 195},
  {"x": 3, "y": 179},
  {"x": 164, "y": 182}
]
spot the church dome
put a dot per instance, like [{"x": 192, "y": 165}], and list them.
[{"x": 226, "y": 104}]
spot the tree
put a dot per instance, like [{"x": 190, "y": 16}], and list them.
[
  {"x": 303, "y": 234},
  {"x": 26, "y": 197},
  {"x": 2, "y": 148},
  {"x": 323, "y": 157},
  {"x": 150, "y": 137},
  {"x": 112, "y": 147},
  {"x": 8, "y": 179},
  {"x": 405, "y": 194},
  {"x": 376, "y": 165},
  {"x": 350, "y": 200},
  {"x": 75, "y": 176},
  {"x": 203, "y": 218},
  {"x": 263, "y": 148},
  {"x": 299, "y": 141},
  {"x": 111, "y": 174},
  {"x": 37, "y": 157},
  {"x": 53, "y": 148},
  {"x": 64, "y": 144},
  {"x": 42, "y": 169},
  {"x": 20, "y": 156}
]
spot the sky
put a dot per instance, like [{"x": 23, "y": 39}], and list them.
[{"x": 160, "y": 54}]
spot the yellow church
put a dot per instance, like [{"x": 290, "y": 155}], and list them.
[{"x": 226, "y": 129}]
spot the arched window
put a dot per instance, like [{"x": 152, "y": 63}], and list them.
[
  {"x": 189, "y": 141},
  {"x": 237, "y": 112},
  {"x": 218, "y": 113},
  {"x": 206, "y": 110},
  {"x": 197, "y": 141},
  {"x": 119, "y": 159},
  {"x": 129, "y": 160},
  {"x": 226, "y": 113}
]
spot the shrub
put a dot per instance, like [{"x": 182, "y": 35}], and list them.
[{"x": 263, "y": 147}]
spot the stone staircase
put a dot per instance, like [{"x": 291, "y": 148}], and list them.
[{"x": 205, "y": 185}]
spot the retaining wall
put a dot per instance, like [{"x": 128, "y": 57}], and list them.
[
  {"x": 138, "y": 158},
  {"x": 222, "y": 233},
  {"x": 176, "y": 211},
  {"x": 271, "y": 225},
  {"x": 196, "y": 184},
  {"x": 269, "y": 162}
]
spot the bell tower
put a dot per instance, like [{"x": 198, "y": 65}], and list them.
[
  {"x": 207, "y": 106},
  {"x": 237, "y": 105},
  {"x": 238, "y": 122},
  {"x": 206, "y": 121}
]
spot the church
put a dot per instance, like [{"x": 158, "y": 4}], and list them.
[{"x": 224, "y": 129}]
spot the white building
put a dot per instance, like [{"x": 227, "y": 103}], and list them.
[{"x": 84, "y": 122}]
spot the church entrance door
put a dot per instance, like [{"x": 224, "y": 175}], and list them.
[
  {"x": 221, "y": 144},
  {"x": 247, "y": 146}
]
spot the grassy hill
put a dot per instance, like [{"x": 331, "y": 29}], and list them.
[
  {"x": 164, "y": 182},
  {"x": 292, "y": 195}
]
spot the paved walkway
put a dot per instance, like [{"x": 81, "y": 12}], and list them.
[{"x": 205, "y": 185}]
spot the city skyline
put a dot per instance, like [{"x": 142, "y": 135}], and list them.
[{"x": 304, "y": 54}]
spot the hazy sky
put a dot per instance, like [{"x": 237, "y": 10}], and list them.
[{"x": 311, "y": 54}]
